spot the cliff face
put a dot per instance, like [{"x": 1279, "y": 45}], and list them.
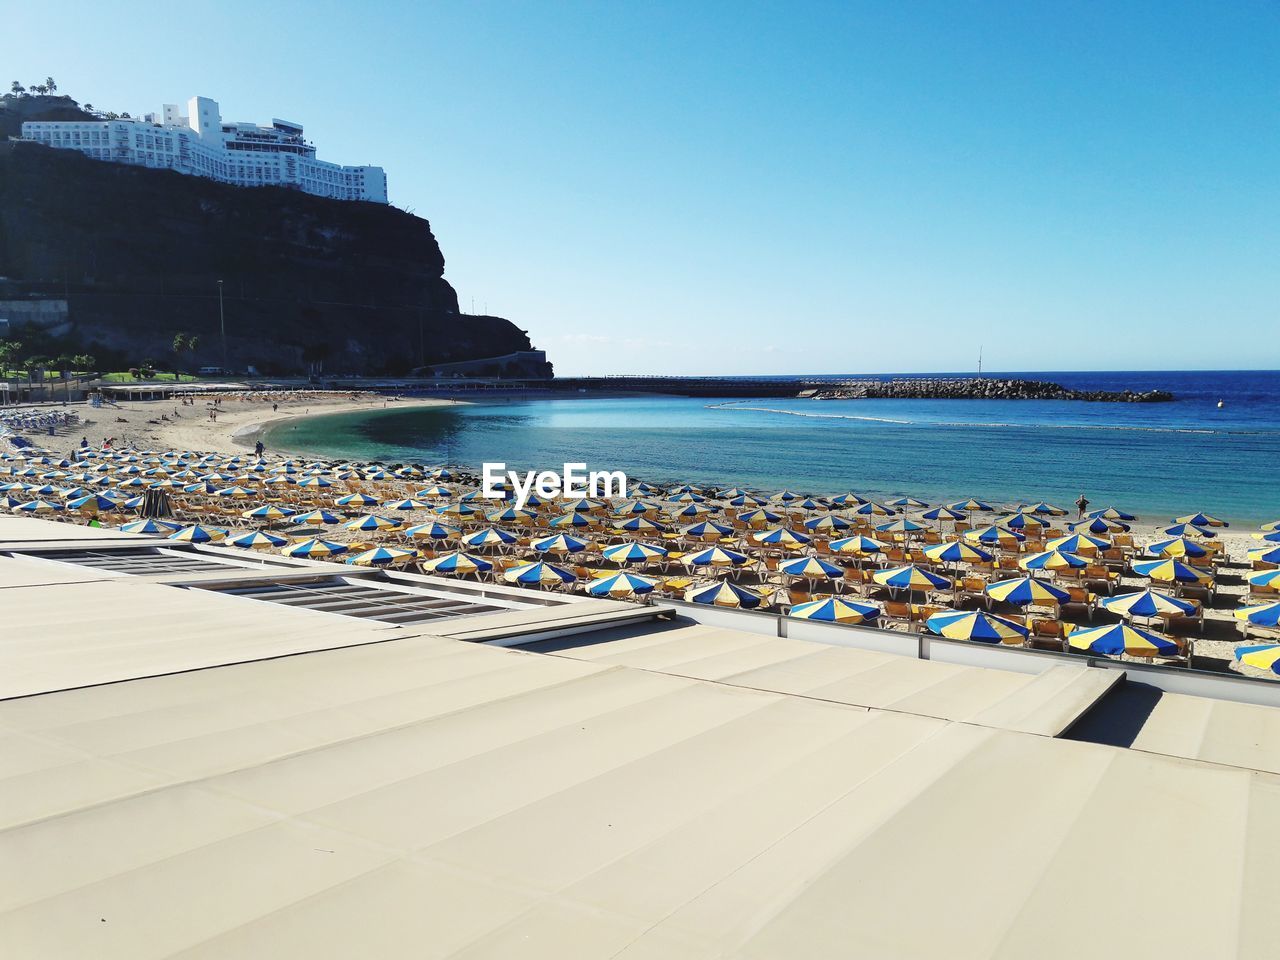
[{"x": 137, "y": 254}]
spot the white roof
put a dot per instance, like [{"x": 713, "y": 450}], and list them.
[{"x": 666, "y": 791}]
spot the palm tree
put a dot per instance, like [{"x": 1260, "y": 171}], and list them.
[
  {"x": 18, "y": 89},
  {"x": 84, "y": 362},
  {"x": 88, "y": 108},
  {"x": 179, "y": 342},
  {"x": 49, "y": 85},
  {"x": 9, "y": 350},
  {"x": 193, "y": 343}
]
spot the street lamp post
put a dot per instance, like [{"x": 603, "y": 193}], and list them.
[{"x": 222, "y": 321}]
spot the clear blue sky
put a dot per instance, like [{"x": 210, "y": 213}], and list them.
[{"x": 775, "y": 188}]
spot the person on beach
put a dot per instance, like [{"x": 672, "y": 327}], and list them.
[
  {"x": 1081, "y": 506},
  {"x": 257, "y": 449}
]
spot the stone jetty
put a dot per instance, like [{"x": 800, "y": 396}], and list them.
[{"x": 975, "y": 388}]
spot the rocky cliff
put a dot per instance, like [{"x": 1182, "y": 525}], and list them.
[{"x": 137, "y": 254}]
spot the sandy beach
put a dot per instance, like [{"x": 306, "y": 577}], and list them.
[{"x": 239, "y": 424}]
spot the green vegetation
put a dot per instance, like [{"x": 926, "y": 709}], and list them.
[{"x": 156, "y": 376}]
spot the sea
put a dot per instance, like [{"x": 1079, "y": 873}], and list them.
[{"x": 1215, "y": 448}]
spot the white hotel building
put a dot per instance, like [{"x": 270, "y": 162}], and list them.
[{"x": 200, "y": 144}]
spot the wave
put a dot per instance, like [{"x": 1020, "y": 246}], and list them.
[{"x": 738, "y": 405}]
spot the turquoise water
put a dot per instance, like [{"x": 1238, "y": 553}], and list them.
[{"x": 1154, "y": 459}]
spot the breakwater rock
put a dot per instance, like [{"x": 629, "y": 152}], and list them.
[{"x": 973, "y": 388}]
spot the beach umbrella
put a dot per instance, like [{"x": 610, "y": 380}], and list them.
[
  {"x": 971, "y": 506},
  {"x": 808, "y": 503},
  {"x": 372, "y": 523},
  {"x": 994, "y": 536},
  {"x": 705, "y": 529},
  {"x": 860, "y": 545},
  {"x": 432, "y": 530},
  {"x": 1201, "y": 520},
  {"x": 435, "y": 492},
  {"x": 811, "y": 568},
  {"x": 1263, "y": 656},
  {"x": 48, "y": 490},
  {"x": 268, "y": 511},
  {"x": 836, "y": 610},
  {"x": 201, "y": 486},
  {"x": 1264, "y": 578},
  {"x": 1187, "y": 530},
  {"x": 1270, "y": 536},
  {"x": 910, "y": 577},
  {"x": 1044, "y": 509},
  {"x": 236, "y": 493},
  {"x": 1022, "y": 522},
  {"x": 539, "y": 573},
  {"x": 629, "y": 507},
  {"x": 1098, "y": 525},
  {"x": 873, "y": 509},
  {"x": 356, "y": 500},
  {"x": 848, "y": 498},
  {"x": 1268, "y": 554},
  {"x": 826, "y": 522},
  {"x": 908, "y": 502},
  {"x": 1176, "y": 547},
  {"x": 691, "y": 510},
  {"x": 197, "y": 533},
  {"x": 1147, "y": 604},
  {"x": 956, "y": 551},
  {"x": 1260, "y": 614},
  {"x": 38, "y": 506},
  {"x": 753, "y": 517},
  {"x": 1117, "y": 638},
  {"x": 785, "y": 496},
  {"x": 945, "y": 513},
  {"x": 1171, "y": 571},
  {"x": 92, "y": 503},
  {"x": 561, "y": 543},
  {"x": 684, "y": 488},
  {"x": 639, "y": 524},
  {"x": 256, "y": 540},
  {"x": 489, "y": 537},
  {"x": 975, "y": 625},
  {"x": 581, "y": 505},
  {"x": 442, "y": 473},
  {"x": 511, "y": 515},
  {"x": 574, "y": 520},
  {"x": 633, "y": 553},
  {"x": 1270, "y": 526},
  {"x": 1110, "y": 513},
  {"x": 1026, "y": 590},
  {"x": 747, "y": 500},
  {"x": 686, "y": 496},
  {"x": 408, "y": 503},
  {"x": 280, "y": 480},
  {"x": 621, "y": 584},
  {"x": 152, "y": 526},
  {"x": 1053, "y": 560},
  {"x": 456, "y": 510},
  {"x": 782, "y": 537},
  {"x": 315, "y": 516},
  {"x": 316, "y": 481},
  {"x": 1080, "y": 543},
  {"x": 643, "y": 489},
  {"x": 724, "y": 594},
  {"x": 901, "y": 525},
  {"x": 463, "y": 564},
  {"x": 715, "y": 557},
  {"x": 382, "y": 557},
  {"x": 137, "y": 483},
  {"x": 315, "y": 549}
]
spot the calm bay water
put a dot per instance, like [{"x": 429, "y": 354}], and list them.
[{"x": 1154, "y": 459}]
